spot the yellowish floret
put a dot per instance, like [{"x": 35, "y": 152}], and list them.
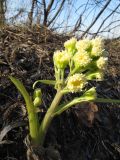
[
  {"x": 76, "y": 83},
  {"x": 70, "y": 44},
  {"x": 84, "y": 44},
  {"x": 81, "y": 59},
  {"x": 97, "y": 47},
  {"x": 100, "y": 76},
  {"x": 61, "y": 59},
  {"x": 102, "y": 63}
]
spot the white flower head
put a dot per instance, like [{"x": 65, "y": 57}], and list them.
[
  {"x": 84, "y": 44},
  {"x": 81, "y": 59},
  {"x": 61, "y": 59},
  {"x": 70, "y": 44},
  {"x": 76, "y": 82},
  {"x": 102, "y": 63},
  {"x": 97, "y": 47}
]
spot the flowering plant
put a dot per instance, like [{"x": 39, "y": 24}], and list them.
[{"x": 85, "y": 60}]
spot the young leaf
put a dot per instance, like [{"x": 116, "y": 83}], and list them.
[
  {"x": 24, "y": 93},
  {"x": 89, "y": 95},
  {"x": 32, "y": 115},
  {"x": 63, "y": 107},
  {"x": 49, "y": 82}
]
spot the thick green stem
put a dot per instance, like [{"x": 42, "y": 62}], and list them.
[
  {"x": 33, "y": 125},
  {"x": 62, "y": 76},
  {"x": 48, "y": 117}
]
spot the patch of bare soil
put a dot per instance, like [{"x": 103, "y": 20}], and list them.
[{"x": 80, "y": 133}]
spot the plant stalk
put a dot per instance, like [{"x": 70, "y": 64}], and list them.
[
  {"x": 48, "y": 117},
  {"x": 33, "y": 125}
]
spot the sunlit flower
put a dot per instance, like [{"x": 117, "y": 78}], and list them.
[
  {"x": 81, "y": 59},
  {"x": 70, "y": 45},
  {"x": 76, "y": 83},
  {"x": 61, "y": 59},
  {"x": 102, "y": 63},
  {"x": 84, "y": 44},
  {"x": 97, "y": 47}
]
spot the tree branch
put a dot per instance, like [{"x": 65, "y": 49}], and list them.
[
  {"x": 45, "y": 13},
  {"x": 106, "y": 19},
  {"x": 56, "y": 14},
  {"x": 96, "y": 18}
]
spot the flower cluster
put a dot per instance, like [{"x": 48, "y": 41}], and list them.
[{"x": 86, "y": 60}]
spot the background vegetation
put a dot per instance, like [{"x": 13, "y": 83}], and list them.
[{"x": 83, "y": 18}]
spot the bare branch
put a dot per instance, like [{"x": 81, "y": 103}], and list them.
[
  {"x": 45, "y": 13},
  {"x": 49, "y": 6},
  {"x": 77, "y": 25},
  {"x": 47, "y": 10},
  {"x": 106, "y": 19},
  {"x": 116, "y": 21},
  {"x": 30, "y": 15},
  {"x": 96, "y": 18},
  {"x": 13, "y": 18},
  {"x": 2, "y": 12},
  {"x": 56, "y": 14},
  {"x": 79, "y": 21}
]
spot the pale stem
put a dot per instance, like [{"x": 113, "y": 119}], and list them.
[{"x": 48, "y": 117}]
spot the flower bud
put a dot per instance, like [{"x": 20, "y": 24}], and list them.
[
  {"x": 37, "y": 93},
  {"x": 76, "y": 83},
  {"x": 61, "y": 59},
  {"x": 97, "y": 47},
  {"x": 83, "y": 45},
  {"x": 102, "y": 63},
  {"x": 37, "y": 102},
  {"x": 70, "y": 45}
]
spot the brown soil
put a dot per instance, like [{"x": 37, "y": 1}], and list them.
[{"x": 27, "y": 54}]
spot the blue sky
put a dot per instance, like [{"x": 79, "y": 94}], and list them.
[{"x": 15, "y": 5}]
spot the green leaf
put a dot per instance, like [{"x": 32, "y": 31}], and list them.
[
  {"x": 105, "y": 100},
  {"x": 32, "y": 115},
  {"x": 66, "y": 106},
  {"x": 49, "y": 82},
  {"x": 84, "y": 98},
  {"x": 89, "y": 95},
  {"x": 23, "y": 91}
]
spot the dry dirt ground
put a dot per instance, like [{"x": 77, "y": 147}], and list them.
[{"x": 27, "y": 55}]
